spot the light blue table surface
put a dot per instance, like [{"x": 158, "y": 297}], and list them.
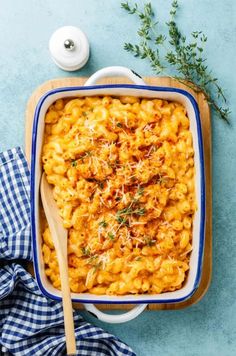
[{"x": 207, "y": 328}]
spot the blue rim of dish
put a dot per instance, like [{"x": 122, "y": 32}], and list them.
[{"x": 202, "y": 179}]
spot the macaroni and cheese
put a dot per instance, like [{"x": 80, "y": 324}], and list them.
[{"x": 123, "y": 175}]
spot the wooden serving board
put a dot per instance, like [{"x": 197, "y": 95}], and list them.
[{"x": 206, "y": 130}]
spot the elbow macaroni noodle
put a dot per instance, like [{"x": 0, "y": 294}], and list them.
[{"x": 123, "y": 175}]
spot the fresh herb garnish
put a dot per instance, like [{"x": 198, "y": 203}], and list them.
[
  {"x": 119, "y": 124},
  {"x": 139, "y": 193},
  {"x": 92, "y": 258},
  {"x": 111, "y": 236},
  {"x": 103, "y": 223},
  {"x": 140, "y": 211},
  {"x": 121, "y": 220},
  {"x": 86, "y": 251},
  {"x": 74, "y": 163},
  {"x": 186, "y": 58},
  {"x": 130, "y": 211},
  {"x": 101, "y": 184},
  {"x": 85, "y": 155},
  {"x": 149, "y": 241}
]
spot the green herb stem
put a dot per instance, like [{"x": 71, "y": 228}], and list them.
[{"x": 185, "y": 57}]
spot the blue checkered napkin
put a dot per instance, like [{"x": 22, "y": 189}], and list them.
[
  {"x": 31, "y": 324},
  {"x": 14, "y": 206}
]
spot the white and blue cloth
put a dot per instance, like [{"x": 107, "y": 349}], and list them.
[{"x": 31, "y": 324}]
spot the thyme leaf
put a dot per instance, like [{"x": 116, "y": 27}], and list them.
[
  {"x": 149, "y": 241},
  {"x": 111, "y": 236},
  {"x": 121, "y": 220},
  {"x": 103, "y": 223},
  {"x": 73, "y": 163},
  {"x": 86, "y": 251}
]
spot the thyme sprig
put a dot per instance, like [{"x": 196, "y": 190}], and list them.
[
  {"x": 86, "y": 154},
  {"x": 86, "y": 251},
  {"x": 91, "y": 259},
  {"x": 130, "y": 211},
  {"x": 174, "y": 51},
  {"x": 121, "y": 215}
]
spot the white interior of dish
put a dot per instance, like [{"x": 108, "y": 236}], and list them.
[{"x": 195, "y": 258}]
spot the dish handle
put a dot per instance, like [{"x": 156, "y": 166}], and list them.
[
  {"x": 115, "y": 319},
  {"x": 115, "y": 71}
]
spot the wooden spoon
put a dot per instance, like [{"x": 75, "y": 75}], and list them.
[{"x": 59, "y": 237}]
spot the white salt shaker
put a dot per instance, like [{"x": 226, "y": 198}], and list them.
[{"x": 69, "y": 48}]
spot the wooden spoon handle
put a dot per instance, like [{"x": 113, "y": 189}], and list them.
[
  {"x": 67, "y": 306},
  {"x": 59, "y": 237}
]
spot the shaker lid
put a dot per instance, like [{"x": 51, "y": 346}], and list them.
[{"x": 69, "y": 48}]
